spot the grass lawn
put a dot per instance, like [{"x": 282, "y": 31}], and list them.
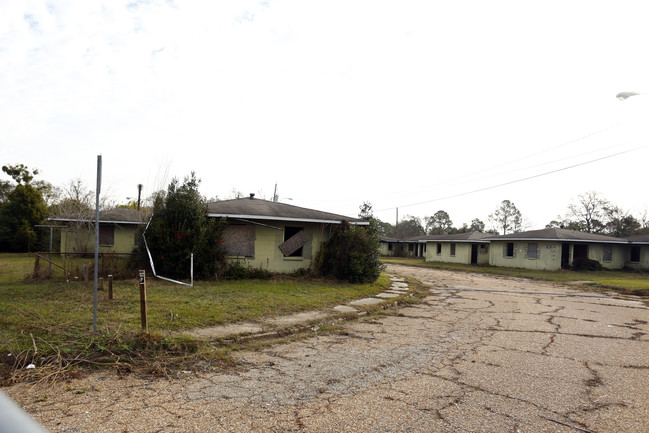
[
  {"x": 52, "y": 319},
  {"x": 628, "y": 282}
]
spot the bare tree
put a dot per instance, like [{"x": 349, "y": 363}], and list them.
[
  {"x": 590, "y": 212},
  {"x": 620, "y": 223},
  {"x": 76, "y": 206}
]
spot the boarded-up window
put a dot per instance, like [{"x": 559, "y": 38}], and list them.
[
  {"x": 294, "y": 240},
  {"x": 532, "y": 251},
  {"x": 607, "y": 256},
  {"x": 239, "y": 240},
  {"x": 106, "y": 234}
]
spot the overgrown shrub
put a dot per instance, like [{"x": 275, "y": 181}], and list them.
[
  {"x": 236, "y": 271},
  {"x": 583, "y": 264},
  {"x": 180, "y": 227},
  {"x": 351, "y": 254}
]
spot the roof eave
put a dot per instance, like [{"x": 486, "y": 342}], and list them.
[
  {"x": 92, "y": 221},
  {"x": 591, "y": 241},
  {"x": 459, "y": 241},
  {"x": 289, "y": 219}
]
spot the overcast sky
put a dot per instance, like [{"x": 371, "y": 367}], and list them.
[{"x": 415, "y": 105}]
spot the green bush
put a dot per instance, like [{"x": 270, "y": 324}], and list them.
[
  {"x": 236, "y": 271},
  {"x": 583, "y": 264},
  {"x": 351, "y": 254},
  {"x": 179, "y": 228}
]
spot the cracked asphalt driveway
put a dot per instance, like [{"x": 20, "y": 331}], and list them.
[{"x": 481, "y": 354}]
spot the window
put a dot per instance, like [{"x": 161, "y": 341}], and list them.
[
  {"x": 532, "y": 251},
  {"x": 411, "y": 247},
  {"x": 483, "y": 249},
  {"x": 390, "y": 246},
  {"x": 238, "y": 240},
  {"x": 635, "y": 253},
  {"x": 452, "y": 249},
  {"x": 607, "y": 255},
  {"x": 439, "y": 249},
  {"x": 294, "y": 240},
  {"x": 106, "y": 234},
  {"x": 509, "y": 249}
]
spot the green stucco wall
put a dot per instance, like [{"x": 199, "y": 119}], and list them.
[
  {"x": 644, "y": 257},
  {"x": 643, "y": 263},
  {"x": 268, "y": 256},
  {"x": 462, "y": 253},
  {"x": 81, "y": 241},
  {"x": 618, "y": 260},
  {"x": 549, "y": 255},
  {"x": 384, "y": 249}
]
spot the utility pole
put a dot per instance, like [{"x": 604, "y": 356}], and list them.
[
  {"x": 396, "y": 223},
  {"x": 139, "y": 195}
]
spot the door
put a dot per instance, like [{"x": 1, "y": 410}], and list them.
[
  {"x": 474, "y": 254},
  {"x": 580, "y": 252},
  {"x": 565, "y": 255}
]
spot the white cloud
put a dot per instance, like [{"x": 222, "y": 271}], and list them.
[{"x": 340, "y": 102}]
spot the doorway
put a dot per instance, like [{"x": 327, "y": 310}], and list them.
[
  {"x": 474, "y": 254},
  {"x": 565, "y": 255},
  {"x": 580, "y": 252}
]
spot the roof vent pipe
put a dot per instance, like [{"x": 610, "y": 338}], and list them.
[{"x": 252, "y": 195}]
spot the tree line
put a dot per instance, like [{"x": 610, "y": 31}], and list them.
[
  {"x": 589, "y": 212},
  {"x": 26, "y": 202},
  {"x": 179, "y": 228}
]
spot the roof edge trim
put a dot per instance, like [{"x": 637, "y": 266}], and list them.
[{"x": 274, "y": 218}]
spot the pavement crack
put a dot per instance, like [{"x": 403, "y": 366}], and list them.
[{"x": 544, "y": 349}]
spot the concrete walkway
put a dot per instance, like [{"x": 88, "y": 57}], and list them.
[{"x": 272, "y": 326}]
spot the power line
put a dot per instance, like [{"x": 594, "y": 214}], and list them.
[
  {"x": 512, "y": 181},
  {"x": 473, "y": 175}
]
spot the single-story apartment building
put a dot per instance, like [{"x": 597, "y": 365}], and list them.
[
  {"x": 274, "y": 236},
  {"x": 118, "y": 231},
  {"x": 259, "y": 233},
  {"x": 466, "y": 248},
  {"x": 546, "y": 249},
  {"x": 552, "y": 249},
  {"x": 408, "y": 247}
]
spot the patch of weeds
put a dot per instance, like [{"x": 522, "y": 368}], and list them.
[
  {"x": 151, "y": 353},
  {"x": 237, "y": 271}
]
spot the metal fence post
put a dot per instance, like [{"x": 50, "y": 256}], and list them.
[{"x": 145, "y": 325}]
